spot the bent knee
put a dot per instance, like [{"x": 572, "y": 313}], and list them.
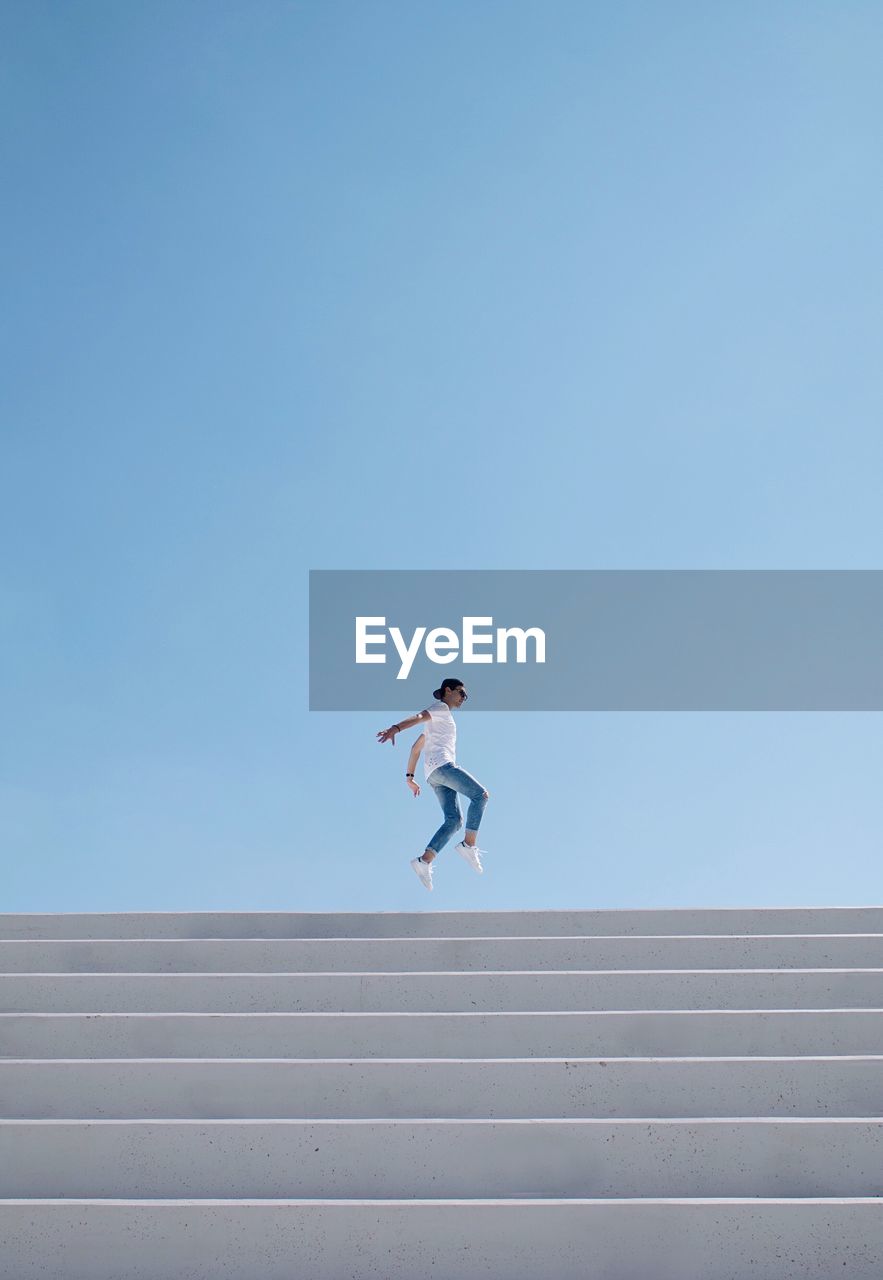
[{"x": 486, "y": 795}]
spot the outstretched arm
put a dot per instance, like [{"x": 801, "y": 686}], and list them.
[
  {"x": 412, "y": 762},
  {"x": 389, "y": 735}
]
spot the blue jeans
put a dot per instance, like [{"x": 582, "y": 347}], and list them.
[{"x": 446, "y": 781}]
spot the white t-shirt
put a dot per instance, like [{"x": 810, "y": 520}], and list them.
[{"x": 441, "y": 737}]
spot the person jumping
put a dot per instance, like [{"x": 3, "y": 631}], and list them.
[{"x": 439, "y": 742}]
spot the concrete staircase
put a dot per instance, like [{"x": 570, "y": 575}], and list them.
[{"x": 669, "y": 1094}]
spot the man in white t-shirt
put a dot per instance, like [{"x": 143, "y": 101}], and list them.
[{"x": 438, "y": 741}]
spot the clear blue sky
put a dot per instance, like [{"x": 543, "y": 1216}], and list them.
[{"x": 422, "y": 285}]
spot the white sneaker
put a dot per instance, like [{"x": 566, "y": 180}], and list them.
[
  {"x": 470, "y": 853},
  {"x": 424, "y": 871}
]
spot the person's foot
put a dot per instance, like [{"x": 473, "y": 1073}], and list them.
[
  {"x": 424, "y": 871},
  {"x": 471, "y": 853}
]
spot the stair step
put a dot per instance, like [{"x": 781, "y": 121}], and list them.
[
  {"x": 456, "y": 1159},
  {"x": 442, "y": 1088},
  {"x": 376, "y": 955},
  {"x": 601, "y": 1033},
  {"x": 508, "y": 990},
  {"x": 436, "y": 924},
  {"x": 731, "y": 1238}
]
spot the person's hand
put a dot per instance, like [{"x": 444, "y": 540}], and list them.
[
  {"x": 388, "y": 735},
  {"x": 413, "y": 785}
]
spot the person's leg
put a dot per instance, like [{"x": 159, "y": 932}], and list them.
[
  {"x": 458, "y": 779},
  {"x": 447, "y": 798}
]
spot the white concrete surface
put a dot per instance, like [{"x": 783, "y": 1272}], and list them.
[
  {"x": 508, "y": 1239},
  {"x": 646, "y": 922},
  {"x": 624, "y": 1094},
  {"x": 504, "y": 991},
  {"x": 437, "y": 1088},
  {"x": 618, "y": 1033},
  {"x": 400, "y": 1159},
  {"x": 432, "y": 955}
]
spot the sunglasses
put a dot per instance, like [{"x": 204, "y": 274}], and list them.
[{"x": 463, "y": 694}]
